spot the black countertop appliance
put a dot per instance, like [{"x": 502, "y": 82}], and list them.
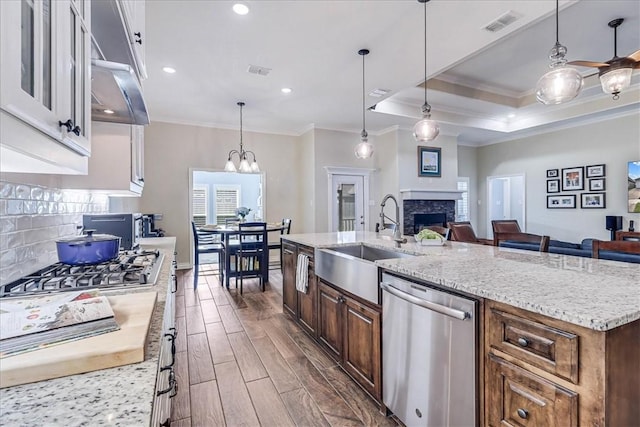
[{"x": 149, "y": 225}]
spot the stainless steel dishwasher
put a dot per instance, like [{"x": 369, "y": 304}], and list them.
[{"x": 429, "y": 354}]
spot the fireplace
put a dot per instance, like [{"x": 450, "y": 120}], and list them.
[
  {"x": 421, "y": 220},
  {"x": 418, "y": 213}
]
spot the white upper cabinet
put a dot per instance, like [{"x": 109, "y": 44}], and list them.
[
  {"x": 116, "y": 166},
  {"x": 135, "y": 23},
  {"x": 45, "y": 103}
]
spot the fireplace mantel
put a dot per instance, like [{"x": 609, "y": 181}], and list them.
[{"x": 421, "y": 194}]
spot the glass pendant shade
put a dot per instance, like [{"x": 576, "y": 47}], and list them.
[
  {"x": 615, "y": 81},
  {"x": 426, "y": 129},
  {"x": 254, "y": 167},
  {"x": 561, "y": 84},
  {"x": 364, "y": 150},
  {"x": 230, "y": 167},
  {"x": 244, "y": 166}
]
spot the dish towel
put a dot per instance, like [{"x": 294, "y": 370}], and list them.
[{"x": 302, "y": 278}]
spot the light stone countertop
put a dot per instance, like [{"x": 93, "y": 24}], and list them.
[
  {"x": 596, "y": 294},
  {"x": 121, "y": 396}
]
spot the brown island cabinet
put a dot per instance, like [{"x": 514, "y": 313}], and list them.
[{"x": 537, "y": 371}]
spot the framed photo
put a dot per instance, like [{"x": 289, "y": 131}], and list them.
[
  {"x": 572, "y": 179},
  {"x": 429, "y": 161},
  {"x": 565, "y": 201},
  {"x": 596, "y": 184},
  {"x": 552, "y": 173},
  {"x": 553, "y": 186},
  {"x": 595, "y": 171},
  {"x": 592, "y": 201}
]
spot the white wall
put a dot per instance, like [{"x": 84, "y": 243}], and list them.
[
  {"x": 171, "y": 149},
  {"x": 613, "y": 142}
]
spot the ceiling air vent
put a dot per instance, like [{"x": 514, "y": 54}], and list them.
[
  {"x": 256, "y": 69},
  {"x": 502, "y": 21}
]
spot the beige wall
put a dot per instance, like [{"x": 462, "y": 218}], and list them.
[
  {"x": 306, "y": 173},
  {"x": 408, "y": 157},
  {"x": 614, "y": 143},
  {"x": 333, "y": 148},
  {"x": 171, "y": 149},
  {"x": 468, "y": 167},
  {"x": 385, "y": 180}
]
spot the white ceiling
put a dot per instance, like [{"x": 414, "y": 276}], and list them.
[{"x": 476, "y": 77}]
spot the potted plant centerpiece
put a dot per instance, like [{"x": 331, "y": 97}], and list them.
[{"x": 242, "y": 212}]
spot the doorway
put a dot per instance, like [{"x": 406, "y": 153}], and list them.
[
  {"x": 214, "y": 197},
  {"x": 348, "y": 191},
  {"x": 506, "y": 200}
]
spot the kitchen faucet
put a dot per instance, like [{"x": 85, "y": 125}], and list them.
[{"x": 397, "y": 234}]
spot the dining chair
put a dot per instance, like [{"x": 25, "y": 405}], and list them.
[
  {"x": 462, "y": 231},
  {"x": 542, "y": 241},
  {"x": 626, "y": 246},
  {"x": 251, "y": 254},
  {"x": 205, "y": 243},
  {"x": 286, "y": 229}
]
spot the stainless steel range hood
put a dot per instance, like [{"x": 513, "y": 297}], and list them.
[{"x": 116, "y": 95}]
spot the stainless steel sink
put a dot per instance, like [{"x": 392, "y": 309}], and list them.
[{"x": 352, "y": 268}]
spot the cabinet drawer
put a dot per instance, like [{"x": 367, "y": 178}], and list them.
[
  {"x": 543, "y": 346},
  {"x": 519, "y": 398}
]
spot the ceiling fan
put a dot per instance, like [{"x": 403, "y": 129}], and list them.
[{"x": 615, "y": 74}]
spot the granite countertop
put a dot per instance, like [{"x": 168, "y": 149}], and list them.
[
  {"x": 596, "y": 294},
  {"x": 115, "y": 396}
]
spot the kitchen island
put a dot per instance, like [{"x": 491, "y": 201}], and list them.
[
  {"x": 117, "y": 396},
  {"x": 558, "y": 336}
]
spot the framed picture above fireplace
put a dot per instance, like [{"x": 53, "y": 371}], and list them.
[{"x": 429, "y": 161}]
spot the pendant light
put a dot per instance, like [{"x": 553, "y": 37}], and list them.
[
  {"x": 364, "y": 149},
  {"x": 244, "y": 166},
  {"x": 426, "y": 129},
  {"x": 562, "y": 83}
]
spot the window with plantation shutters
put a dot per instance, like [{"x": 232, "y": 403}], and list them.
[
  {"x": 199, "y": 204},
  {"x": 227, "y": 201},
  {"x": 462, "y": 205}
]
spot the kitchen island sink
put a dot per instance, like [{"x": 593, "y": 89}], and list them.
[{"x": 353, "y": 269}]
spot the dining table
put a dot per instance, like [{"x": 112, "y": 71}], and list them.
[{"x": 229, "y": 237}]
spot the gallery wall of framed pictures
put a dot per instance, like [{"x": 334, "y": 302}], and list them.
[{"x": 588, "y": 180}]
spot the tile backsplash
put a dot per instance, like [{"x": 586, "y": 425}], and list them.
[{"x": 32, "y": 218}]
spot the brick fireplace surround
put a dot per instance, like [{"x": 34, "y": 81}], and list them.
[{"x": 412, "y": 207}]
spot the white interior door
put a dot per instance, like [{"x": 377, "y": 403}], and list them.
[
  {"x": 347, "y": 203},
  {"x": 506, "y": 200}
]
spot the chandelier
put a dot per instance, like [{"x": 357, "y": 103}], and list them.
[
  {"x": 244, "y": 166},
  {"x": 364, "y": 149}
]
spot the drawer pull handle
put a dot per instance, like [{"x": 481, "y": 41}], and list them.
[
  {"x": 523, "y": 413},
  {"x": 523, "y": 342}
]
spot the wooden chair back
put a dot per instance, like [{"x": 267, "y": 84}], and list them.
[
  {"x": 626, "y": 246},
  {"x": 543, "y": 241},
  {"x": 628, "y": 235},
  {"x": 462, "y": 231}
]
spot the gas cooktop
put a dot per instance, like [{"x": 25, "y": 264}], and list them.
[{"x": 130, "y": 268}]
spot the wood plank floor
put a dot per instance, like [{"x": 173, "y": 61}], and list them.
[{"x": 241, "y": 361}]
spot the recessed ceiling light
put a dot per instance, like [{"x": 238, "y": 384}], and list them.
[
  {"x": 511, "y": 115},
  {"x": 169, "y": 70},
  {"x": 240, "y": 9},
  {"x": 286, "y": 90},
  {"x": 108, "y": 111}
]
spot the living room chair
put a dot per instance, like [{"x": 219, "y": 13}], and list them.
[
  {"x": 251, "y": 253},
  {"x": 542, "y": 241},
  {"x": 504, "y": 226},
  {"x": 205, "y": 242},
  {"x": 462, "y": 231},
  {"x": 286, "y": 229},
  {"x": 626, "y": 246}
]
